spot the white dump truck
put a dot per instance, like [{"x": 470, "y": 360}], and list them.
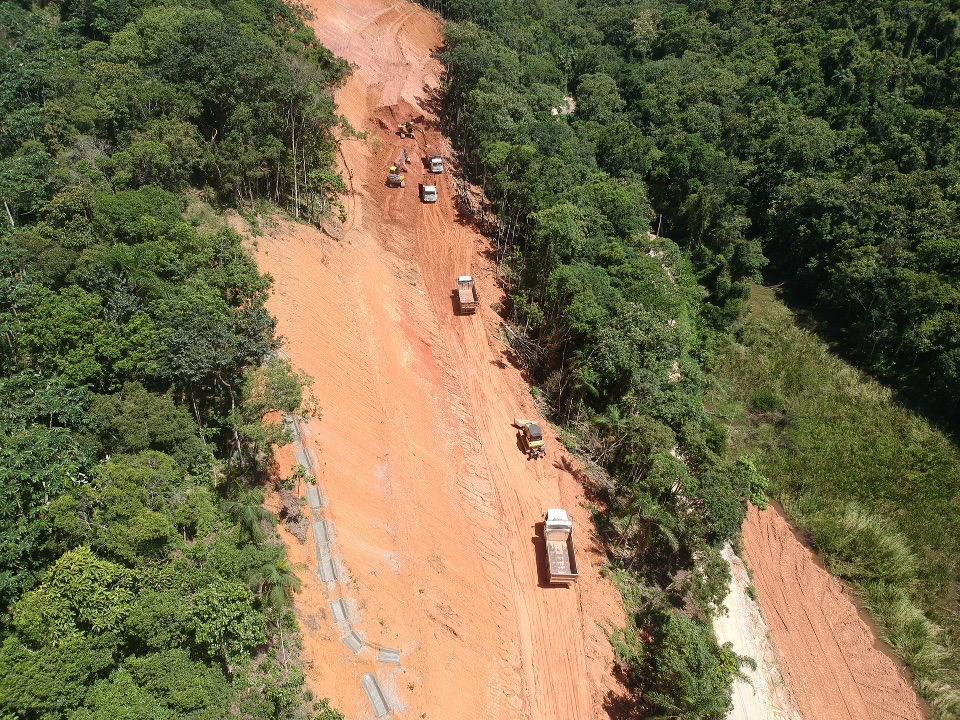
[
  {"x": 428, "y": 193},
  {"x": 558, "y": 541},
  {"x": 436, "y": 164},
  {"x": 468, "y": 299}
]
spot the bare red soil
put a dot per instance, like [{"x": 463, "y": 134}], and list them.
[
  {"x": 434, "y": 504},
  {"x": 833, "y": 662}
]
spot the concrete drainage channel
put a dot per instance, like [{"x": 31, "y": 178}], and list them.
[{"x": 328, "y": 570}]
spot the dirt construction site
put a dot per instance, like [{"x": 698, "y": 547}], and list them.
[{"x": 425, "y": 588}]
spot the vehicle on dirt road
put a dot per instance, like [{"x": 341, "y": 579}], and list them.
[
  {"x": 428, "y": 193},
  {"x": 395, "y": 178},
  {"x": 406, "y": 129},
  {"x": 468, "y": 299},
  {"x": 558, "y": 545},
  {"x": 436, "y": 164},
  {"x": 531, "y": 438}
]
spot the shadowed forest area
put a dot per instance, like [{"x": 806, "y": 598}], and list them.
[{"x": 140, "y": 575}]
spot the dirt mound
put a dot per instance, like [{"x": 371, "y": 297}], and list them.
[{"x": 830, "y": 655}]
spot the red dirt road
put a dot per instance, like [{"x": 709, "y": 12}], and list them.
[
  {"x": 833, "y": 662},
  {"x": 434, "y": 505}
]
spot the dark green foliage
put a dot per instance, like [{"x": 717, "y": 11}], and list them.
[
  {"x": 139, "y": 574},
  {"x": 609, "y": 318},
  {"x": 237, "y": 99},
  {"x": 684, "y": 673},
  {"x": 825, "y": 137}
]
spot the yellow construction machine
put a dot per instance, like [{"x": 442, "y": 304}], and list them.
[
  {"x": 395, "y": 178},
  {"x": 531, "y": 438}
]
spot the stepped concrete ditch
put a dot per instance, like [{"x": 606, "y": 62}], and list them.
[{"x": 330, "y": 568}]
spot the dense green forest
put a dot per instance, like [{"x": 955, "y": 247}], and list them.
[
  {"x": 826, "y": 133},
  {"x": 815, "y": 144},
  {"x": 611, "y": 321},
  {"x": 140, "y": 576},
  {"x": 874, "y": 484}
]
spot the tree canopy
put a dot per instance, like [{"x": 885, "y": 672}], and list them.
[
  {"x": 815, "y": 146},
  {"x": 140, "y": 576}
]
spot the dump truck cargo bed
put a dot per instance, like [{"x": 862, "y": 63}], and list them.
[
  {"x": 558, "y": 542},
  {"x": 561, "y": 560},
  {"x": 467, "y": 296}
]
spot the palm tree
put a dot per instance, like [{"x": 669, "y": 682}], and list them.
[
  {"x": 645, "y": 517},
  {"x": 250, "y": 515},
  {"x": 275, "y": 583}
]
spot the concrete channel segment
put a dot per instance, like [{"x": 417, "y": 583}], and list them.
[
  {"x": 314, "y": 498},
  {"x": 327, "y": 569},
  {"x": 391, "y": 657},
  {"x": 375, "y": 694}
]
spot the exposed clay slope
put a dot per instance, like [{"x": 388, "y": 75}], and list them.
[
  {"x": 831, "y": 657},
  {"x": 434, "y": 505},
  {"x": 761, "y": 694}
]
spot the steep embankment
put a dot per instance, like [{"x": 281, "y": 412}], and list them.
[
  {"x": 432, "y": 505},
  {"x": 830, "y": 655}
]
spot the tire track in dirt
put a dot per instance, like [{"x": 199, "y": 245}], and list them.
[
  {"x": 831, "y": 657},
  {"x": 435, "y": 505}
]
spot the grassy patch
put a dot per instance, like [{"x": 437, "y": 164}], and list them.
[{"x": 875, "y": 485}]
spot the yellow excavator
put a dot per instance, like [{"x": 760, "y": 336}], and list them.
[{"x": 531, "y": 438}]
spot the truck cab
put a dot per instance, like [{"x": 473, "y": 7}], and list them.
[{"x": 428, "y": 193}]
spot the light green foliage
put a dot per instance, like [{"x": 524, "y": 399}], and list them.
[
  {"x": 184, "y": 685},
  {"x": 81, "y": 595},
  {"x": 323, "y": 711},
  {"x": 270, "y": 389},
  {"x": 874, "y": 484},
  {"x": 226, "y": 623},
  {"x": 119, "y": 698}
]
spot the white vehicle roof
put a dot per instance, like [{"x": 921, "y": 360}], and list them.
[
  {"x": 557, "y": 515},
  {"x": 429, "y": 188},
  {"x": 465, "y": 278}
]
